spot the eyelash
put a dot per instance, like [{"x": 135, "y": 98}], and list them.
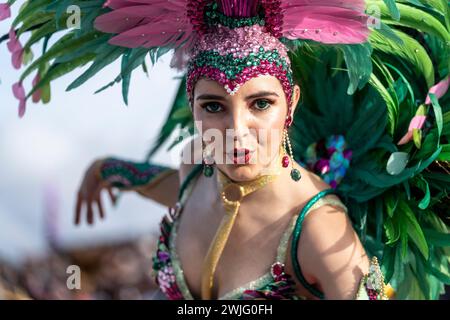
[{"x": 269, "y": 102}]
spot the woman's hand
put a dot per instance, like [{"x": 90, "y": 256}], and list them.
[{"x": 89, "y": 193}]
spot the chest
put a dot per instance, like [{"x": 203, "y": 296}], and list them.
[{"x": 250, "y": 250}]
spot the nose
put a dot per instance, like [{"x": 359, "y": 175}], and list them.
[{"x": 238, "y": 127}]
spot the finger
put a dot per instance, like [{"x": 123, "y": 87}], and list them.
[
  {"x": 90, "y": 213},
  {"x": 94, "y": 197},
  {"x": 112, "y": 196},
  {"x": 78, "y": 208},
  {"x": 100, "y": 208}
]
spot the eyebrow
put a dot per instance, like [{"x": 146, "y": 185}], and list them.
[{"x": 252, "y": 96}]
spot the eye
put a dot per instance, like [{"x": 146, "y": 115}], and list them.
[
  {"x": 212, "y": 107},
  {"x": 262, "y": 104}
]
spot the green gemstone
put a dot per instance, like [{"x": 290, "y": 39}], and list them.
[
  {"x": 295, "y": 175},
  {"x": 208, "y": 171}
]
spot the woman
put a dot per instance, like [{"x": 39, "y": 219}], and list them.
[
  {"x": 240, "y": 80},
  {"x": 255, "y": 209},
  {"x": 331, "y": 256}
]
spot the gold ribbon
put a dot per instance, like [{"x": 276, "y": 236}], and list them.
[{"x": 232, "y": 194}]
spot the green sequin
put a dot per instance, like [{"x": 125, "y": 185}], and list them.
[
  {"x": 232, "y": 66},
  {"x": 214, "y": 17}
]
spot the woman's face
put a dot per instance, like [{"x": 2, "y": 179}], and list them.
[{"x": 244, "y": 130}]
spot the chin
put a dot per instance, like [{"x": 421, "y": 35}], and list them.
[{"x": 241, "y": 172}]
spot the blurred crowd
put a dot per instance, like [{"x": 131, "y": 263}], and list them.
[{"x": 114, "y": 271}]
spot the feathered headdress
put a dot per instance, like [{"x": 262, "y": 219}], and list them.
[{"x": 229, "y": 41}]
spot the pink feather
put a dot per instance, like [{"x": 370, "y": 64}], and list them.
[
  {"x": 158, "y": 23},
  {"x": 146, "y": 23},
  {"x": 329, "y": 21},
  {"x": 149, "y": 23}
]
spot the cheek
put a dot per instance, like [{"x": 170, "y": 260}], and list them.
[
  {"x": 271, "y": 132},
  {"x": 210, "y": 126},
  {"x": 272, "y": 122}
]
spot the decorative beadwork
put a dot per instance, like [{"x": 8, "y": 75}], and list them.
[
  {"x": 283, "y": 288},
  {"x": 162, "y": 265},
  {"x": 126, "y": 174},
  {"x": 214, "y": 17},
  {"x": 372, "y": 286},
  {"x": 273, "y": 17},
  {"x": 195, "y": 13},
  {"x": 232, "y": 85},
  {"x": 277, "y": 270},
  {"x": 285, "y": 161},
  {"x": 234, "y": 56},
  {"x": 240, "y": 42}
]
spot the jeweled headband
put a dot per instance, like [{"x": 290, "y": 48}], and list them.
[{"x": 237, "y": 47}]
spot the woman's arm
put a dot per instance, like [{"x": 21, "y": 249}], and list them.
[
  {"x": 156, "y": 182},
  {"x": 333, "y": 258}
]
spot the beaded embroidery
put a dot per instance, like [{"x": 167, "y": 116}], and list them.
[
  {"x": 232, "y": 56},
  {"x": 126, "y": 174}
]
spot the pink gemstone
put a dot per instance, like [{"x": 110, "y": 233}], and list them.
[
  {"x": 285, "y": 161},
  {"x": 288, "y": 121},
  {"x": 277, "y": 269}
]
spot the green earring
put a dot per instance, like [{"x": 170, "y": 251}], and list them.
[
  {"x": 295, "y": 174},
  {"x": 208, "y": 162},
  {"x": 208, "y": 170}
]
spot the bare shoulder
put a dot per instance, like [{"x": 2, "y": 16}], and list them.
[
  {"x": 190, "y": 156},
  {"x": 327, "y": 220},
  {"x": 330, "y": 251}
]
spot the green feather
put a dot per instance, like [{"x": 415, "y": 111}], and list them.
[
  {"x": 58, "y": 70},
  {"x": 411, "y": 51},
  {"x": 105, "y": 58}
]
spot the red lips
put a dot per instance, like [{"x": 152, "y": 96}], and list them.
[{"x": 240, "y": 154}]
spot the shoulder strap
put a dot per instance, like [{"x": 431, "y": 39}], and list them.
[
  {"x": 296, "y": 237},
  {"x": 188, "y": 179}
]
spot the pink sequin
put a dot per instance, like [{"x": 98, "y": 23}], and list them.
[{"x": 240, "y": 42}]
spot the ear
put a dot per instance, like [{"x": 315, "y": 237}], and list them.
[{"x": 295, "y": 98}]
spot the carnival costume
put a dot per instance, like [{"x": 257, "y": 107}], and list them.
[{"x": 374, "y": 120}]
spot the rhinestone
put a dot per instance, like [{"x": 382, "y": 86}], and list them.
[{"x": 277, "y": 269}]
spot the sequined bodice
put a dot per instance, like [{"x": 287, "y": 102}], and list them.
[{"x": 274, "y": 284}]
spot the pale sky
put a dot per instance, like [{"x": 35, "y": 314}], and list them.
[{"x": 53, "y": 144}]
